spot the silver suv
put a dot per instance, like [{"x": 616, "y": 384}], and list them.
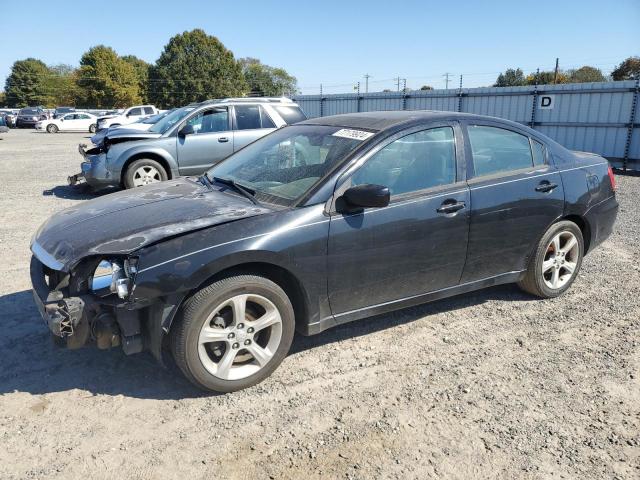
[{"x": 186, "y": 142}]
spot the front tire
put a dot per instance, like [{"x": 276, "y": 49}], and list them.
[
  {"x": 556, "y": 261},
  {"x": 92, "y": 128},
  {"x": 233, "y": 333},
  {"x": 144, "y": 171},
  {"x": 51, "y": 128}
]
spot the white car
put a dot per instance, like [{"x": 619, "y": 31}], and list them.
[
  {"x": 71, "y": 122},
  {"x": 141, "y": 125},
  {"x": 130, "y": 115}
]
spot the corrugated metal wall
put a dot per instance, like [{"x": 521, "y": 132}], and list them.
[{"x": 593, "y": 117}]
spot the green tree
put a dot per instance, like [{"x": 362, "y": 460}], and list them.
[
  {"x": 426, "y": 87},
  {"x": 142, "y": 72},
  {"x": 193, "y": 67},
  {"x": 26, "y": 85},
  {"x": 105, "y": 80},
  {"x": 61, "y": 85},
  {"x": 547, "y": 78},
  {"x": 3, "y": 99},
  {"x": 264, "y": 80},
  {"x": 510, "y": 78},
  {"x": 586, "y": 74},
  {"x": 627, "y": 70}
]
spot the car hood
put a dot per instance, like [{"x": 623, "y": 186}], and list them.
[
  {"x": 123, "y": 222},
  {"x": 118, "y": 135}
]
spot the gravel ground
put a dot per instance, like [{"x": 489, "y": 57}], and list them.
[{"x": 492, "y": 384}]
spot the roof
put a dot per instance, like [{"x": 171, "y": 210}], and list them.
[{"x": 383, "y": 120}]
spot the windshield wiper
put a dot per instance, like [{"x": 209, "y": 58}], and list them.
[{"x": 244, "y": 191}]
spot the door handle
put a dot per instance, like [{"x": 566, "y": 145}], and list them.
[
  {"x": 450, "y": 206},
  {"x": 223, "y": 139},
  {"x": 546, "y": 186}
]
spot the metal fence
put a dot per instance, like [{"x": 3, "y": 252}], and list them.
[{"x": 593, "y": 117}]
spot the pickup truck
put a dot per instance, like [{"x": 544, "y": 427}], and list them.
[{"x": 130, "y": 115}]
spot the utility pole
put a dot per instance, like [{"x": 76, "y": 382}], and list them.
[
  {"x": 446, "y": 80},
  {"x": 397, "y": 79},
  {"x": 366, "y": 83},
  {"x": 555, "y": 72}
]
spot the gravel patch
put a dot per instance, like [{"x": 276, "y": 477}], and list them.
[{"x": 490, "y": 384}]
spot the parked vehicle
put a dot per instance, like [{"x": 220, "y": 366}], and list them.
[
  {"x": 60, "y": 111},
  {"x": 71, "y": 122},
  {"x": 10, "y": 116},
  {"x": 317, "y": 224},
  {"x": 128, "y": 116},
  {"x": 141, "y": 125},
  {"x": 3, "y": 124},
  {"x": 28, "y": 117},
  {"x": 186, "y": 142}
]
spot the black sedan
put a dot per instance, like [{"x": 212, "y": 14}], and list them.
[
  {"x": 28, "y": 117},
  {"x": 324, "y": 222}
]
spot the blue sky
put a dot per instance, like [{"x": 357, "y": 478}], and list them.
[{"x": 337, "y": 42}]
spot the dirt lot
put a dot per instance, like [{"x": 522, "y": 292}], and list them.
[{"x": 493, "y": 384}]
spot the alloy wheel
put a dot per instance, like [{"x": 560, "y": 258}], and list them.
[
  {"x": 145, "y": 175},
  {"x": 240, "y": 336},
  {"x": 560, "y": 261}
]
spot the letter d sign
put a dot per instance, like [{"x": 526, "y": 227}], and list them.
[{"x": 546, "y": 101}]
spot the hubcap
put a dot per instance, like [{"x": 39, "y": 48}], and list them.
[
  {"x": 560, "y": 261},
  {"x": 240, "y": 336},
  {"x": 146, "y": 175}
]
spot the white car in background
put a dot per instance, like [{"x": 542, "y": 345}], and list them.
[
  {"x": 128, "y": 116},
  {"x": 141, "y": 125},
  {"x": 71, "y": 122}
]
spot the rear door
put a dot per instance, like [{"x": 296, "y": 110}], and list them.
[
  {"x": 414, "y": 245},
  {"x": 250, "y": 123},
  {"x": 211, "y": 142},
  {"x": 515, "y": 195}
]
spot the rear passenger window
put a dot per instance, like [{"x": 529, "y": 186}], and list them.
[
  {"x": 247, "y": 117},
  {"x": 148, "y": 111},
  {"x": 266, "y": 119},
  {"x": 498, "y": 150},
  {"x": 414, "y": 162},
  {"x": 135, "y": 111},
  {"x": 538, "y": 153}
]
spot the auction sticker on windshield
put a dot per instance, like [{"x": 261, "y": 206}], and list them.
[{"x": 353, "y": 134}]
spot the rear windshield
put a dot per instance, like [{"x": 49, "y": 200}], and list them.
[{"x": 290, "y": 114}]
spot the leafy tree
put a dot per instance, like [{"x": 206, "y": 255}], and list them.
[
  {"x": 3, "y": 99},
  {"x": 510, "y": 78},
  {"x": 426, "y": 87},
  {"x": 627, "y": 70},
  {"x": 61, "y": 85},
  {"x": 193, "y": 67},
  {"x": 142, "y": 72},
  {"x": 264, "y": 80},
  {"x": 586, "y": 74},
  {"x": 546, "y": 78},
  {"x": 26, "y": 85},
  {"x": 105, "y": 80}
]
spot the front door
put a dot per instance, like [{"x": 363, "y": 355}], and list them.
[
  {"x": 515, "y": 195},
  {"x": 211, "y": 142},
  {"x": 415, "y": 245}
]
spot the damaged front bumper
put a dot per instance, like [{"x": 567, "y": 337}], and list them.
[
  {"x": 93, "y": 169},
  {"x": 80, "y": 319}
]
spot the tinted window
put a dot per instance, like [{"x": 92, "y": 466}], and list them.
[
  {"x": 266, "y": 119},
  {"x": 29, "y": 111},
  {"x": 248, "y": 117},
  {"x": 414, "y": 162},
  {"x": 498, "y": 150},
  {"x": 538, "y": 153},
  {"x": 70, "y": 116},
  {"x": 135, "y": 111},
  {"x": 148, "y": 111},
  {"x": 290, "y": 114},
  {"x": 210, "y": 121}
]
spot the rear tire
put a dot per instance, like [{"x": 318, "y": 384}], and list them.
[
  {"x": 233, "y": 333},
  {"x": 556, "y": 261},
  {"x": 51, "y": 128},
  {"x": 143, "y": 172}
]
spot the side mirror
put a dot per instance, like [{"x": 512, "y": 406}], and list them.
[
  {"x": 364, "y": 196},
  {"x": 186, "y": 130}
]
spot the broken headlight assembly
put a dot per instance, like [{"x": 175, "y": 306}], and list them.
[{"x": 114, "y": 276}]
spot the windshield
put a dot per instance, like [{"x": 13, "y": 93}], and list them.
[
  {"x": 170, "y": 120},
  {"x": 29, "y": 111},
  {"x": 155, "y": 118},
  {"x": 286, "y": 164}
]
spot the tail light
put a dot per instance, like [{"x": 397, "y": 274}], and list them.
[{"x": 612, "y": 179}]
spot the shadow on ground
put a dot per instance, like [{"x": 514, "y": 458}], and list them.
[
  {"x": 32, "y": 363},
  {"x": 76, "y": 192}
]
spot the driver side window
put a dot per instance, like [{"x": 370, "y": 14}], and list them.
[{"x": 415, "y": 162}]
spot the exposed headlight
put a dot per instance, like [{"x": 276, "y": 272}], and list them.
[
  {"x": 35, "y": 118},
  {"x": 113, "y": 276}
]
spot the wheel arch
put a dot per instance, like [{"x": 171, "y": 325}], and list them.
[{"x": 584, "y": 227}]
